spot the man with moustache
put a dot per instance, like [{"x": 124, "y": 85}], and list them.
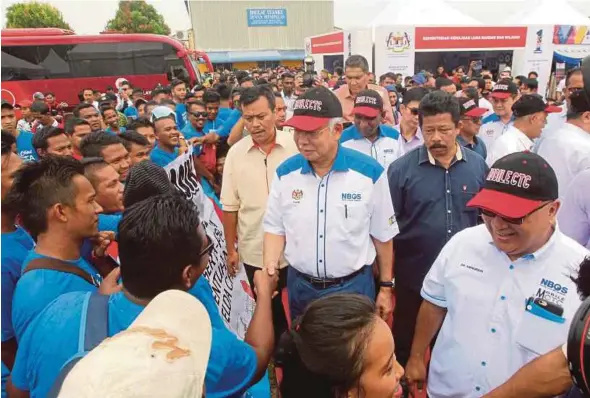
[{"x": 430, "y": 187}]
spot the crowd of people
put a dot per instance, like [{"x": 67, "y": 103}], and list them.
[{"x": 430, "y": 232}]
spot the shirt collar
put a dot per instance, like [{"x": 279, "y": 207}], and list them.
[
  {"x": 522, "y": 137},
  {"x": 543, "y": 249},
  {"x": 340, "y": 163},
  {"x": 356, "y": 134},
  {"x": 280, "y": 139},
  {"x": 426, "y": 156},
  {"x": 463, "y": 142}
]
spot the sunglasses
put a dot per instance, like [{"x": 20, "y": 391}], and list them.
[
  {"x": 199, "y": 114},
  {"x": 415, "y": 111},
  {"x": 476, "y": 120},
  {"x": 208, "y": 249},
  {"x": 509, "y": 220}
]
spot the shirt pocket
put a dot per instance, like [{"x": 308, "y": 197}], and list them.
[
  {"x": 352, "y": 217},
  {"x": 536, "y": 335}
]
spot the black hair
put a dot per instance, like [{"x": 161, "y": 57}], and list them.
[
  {"x": 86, "y": 89},
  {"x": 7, "y": 141},
  {"x": 357, "y": 61},
  {"x": 442, "y": 82},
  {"x": 251, "y": 94},
  {"x": 583, "y": 279},
  {"x": 481, "y": 83},
  {"x": 40, "y": 107},
  {"x": 531, "y": 83},
  {"x": 472, "y": 93},
  {"x": 81, "y": 106},
  {"x": 460, "y": 67},
  {"x": 384, "y": 76},
  {"x": 323, "y": 354},
  {"x": 73, "y": 123},
  {"x": 167, "y": 101},
  {"x": 247, "y": 79},
  {"x": 211, "y": 96},
  {"x": 339, "y": 71},
  {"x": 150, "y": 233},
  {"x": 221, "y": 149},
  {"x": 93, "y": 144},
  {"x": 41, "y": 137},
  {"x": 176, "y": 82},
  {"x": 39, "y": 185},
  {"x": 95, "y": 92},
  {"x": 260, "y": 82},
  {"x": 105, "y": 108},
  {"x": 137, "y": 90},
  {"x": 195, "y": 103},
  {"x": 224, "y": 91},
  {"x": 198, "y": 87},
  {"x": 287, "y": 75},
  {"x": 439, "y": 102},
  {"x": 130, "y": 137},
  {"x": 533, "y": 73},
  {"x": 109, "y": 88},
  {"x": 160, "y": 90},
  {"x": 140, "y": 122},
  {"x": 415, "y": 94},
  {"x": 570, "y": 73},
  {"x": 124, "y": 82},
  {"x": 7, "y": 105},
  {"x": 521, "y": 78},
  {"x": 91, "y": 166}
]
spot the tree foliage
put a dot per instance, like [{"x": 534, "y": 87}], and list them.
[
  {"x": 35, "y": 15},
  {"x": 137, "y": 17}
]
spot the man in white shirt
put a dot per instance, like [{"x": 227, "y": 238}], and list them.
[
  {"x": 480, "y": 84},
  {"x": 368, "y": 134},
  {"x": 502, "y": 291},
  {"x": 530, "y": 116},
  {"x": 503, "y": 96},
  {"x": 574, "y": 216}
]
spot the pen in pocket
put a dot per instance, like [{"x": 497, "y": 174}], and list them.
[{"x": 345, "y": 211}]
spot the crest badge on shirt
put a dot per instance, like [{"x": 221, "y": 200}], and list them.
[{"x": 297, "y": 195}]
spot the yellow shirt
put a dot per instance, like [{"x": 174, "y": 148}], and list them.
[
  {"x": 347, "y": 102},
  {"x": 247, "y": 177}
]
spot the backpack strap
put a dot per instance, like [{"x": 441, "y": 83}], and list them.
[
  {"x": 94, "y": 328},
  {"x": 61, "y": 266}
]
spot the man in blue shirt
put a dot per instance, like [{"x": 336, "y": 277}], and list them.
[
  {"x": 16, "y": 244},
  {"x": 178, "y": 90},
  {"x": 151, "y": 263},
  {"x": 197, "y": 116},
  {"x": 166, "y": 149},
  {"x": 59, "y": 208},
  {"x": 109, "y": 147},
  {"x": 469, "y": 126},
  {"x": 224, "y": 106},
  {"x": 212, "y": 101},
  {"x": 429, "y": 187},
  {"x": 109, "y": 192},
  {"x": 111, "y": 120},
  {"x": 24, "y": 139},
  {"x": 52, "y": 141}
]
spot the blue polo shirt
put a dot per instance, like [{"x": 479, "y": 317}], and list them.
[
  {"x": 53, "y": 338},
  {"x": 24, "y": 146},
  {"x": 429, "y": 203},
  {"x": 131, "y": 112},
  {"x": 478, "y": 146},
  {"x": 15, "y": 248},
  {"x": 224, "y": 113},
  {"x": 190, "y": 132},
  {"x": 109, "y": 222},
  {"x": 180, "y": 115},
  {"x": 385, "y": 149},
  {"x": 229, "y": 123},
  {"x": 216, "y": 124},
  {"x": 161, "y": 157},
  {"x": 36, "y": 289},
  {"x": 111, "y": 132}
]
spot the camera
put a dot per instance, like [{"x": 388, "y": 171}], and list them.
[{"x": 578, "y": 348}]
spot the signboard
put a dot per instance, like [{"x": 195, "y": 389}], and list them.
[
  {"x": 538, "y": 55},
  {"x": 569, "y": 34},
  {"x": 395, "y": 50},
  {"x": 266, "y": 17},
  {"x": 327, "y": 44},
  {"x": 481, "y": 37}
]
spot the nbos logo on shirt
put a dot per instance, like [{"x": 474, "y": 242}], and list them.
[{"x": 351, "y": 196}]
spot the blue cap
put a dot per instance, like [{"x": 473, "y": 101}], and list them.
[{"x": 419, "y": 78}]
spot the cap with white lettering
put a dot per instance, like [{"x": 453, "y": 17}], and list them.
[
  {"x": 516, "y": 185},
  {"x": 314, "y": 109},
  {"x": 368, "y": 103},
  {"x": 471, "y": 108},
  {"x": 504, "y": 89}
]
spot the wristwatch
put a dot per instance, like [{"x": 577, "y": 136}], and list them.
[{"x": 390, "y": 284}]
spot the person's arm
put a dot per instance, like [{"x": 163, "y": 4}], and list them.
[
  {"x": 202, "y": 171},
  {"x": 274, "y": 230},
  {"x": 389, "y": 119},
  {"x": 546, "y": 376},
  {"x": 385, "y": 262},
  {"x": 236, "y": 133},
  {"x": 230, "y": 201}
]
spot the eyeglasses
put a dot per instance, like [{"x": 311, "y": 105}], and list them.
[
  {"x": 476, "y": 120},
  {"x": 199, "y": 114},
  {"x": 509, "y": 220},
  {"x": 415, "y": 111},
  {"x": 208, "y": 249}
]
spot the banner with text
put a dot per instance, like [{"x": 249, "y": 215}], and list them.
[
  {"x": 538, "y": 55},
  {"x": 330, "y": 43},
  {"x": 464, "y": 37},
  {"x": 395, "y": 50},
  {"x": 259, "y": 17}
]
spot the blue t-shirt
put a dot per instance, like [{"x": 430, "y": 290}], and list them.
[
  {"x": 229, "y": 123},
  {"x": 161, "y": 157},
  {"x": 180, "y": 115},
  {"x": 5, "y": 374},
  {"x": 190, "y": 132},
  {"x": 53, "y": 339},
  {"x": 24, "y": 146},
  {"x": 111, "y": 132},
  {"x": 216, "y": 124},
  {"x": 15, "y": 248},
  {"x": 131, "y": 112},
  {"x": 36, "y": 289},
  {"x": 109, "y": 222},
  {"x": 224, "y": 113}
]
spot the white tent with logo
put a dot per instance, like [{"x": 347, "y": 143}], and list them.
[
  {"x": 422, "y": 13},
  {"x": 547, "y": 12}
]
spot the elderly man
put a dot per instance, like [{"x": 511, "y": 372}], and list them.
[
  {"x": 329, "y": 208},
  {"x": 477, "y": 286},
  {"x": 356, "y": 69},
  {"x": 429, "y": 187}
]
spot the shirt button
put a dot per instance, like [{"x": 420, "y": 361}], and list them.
[
  {"x": 321, "y": 236},
  {"x": 323, "y": 185},
  {"x": 493, "y": 330},
  {"x": 502, "y": 297},
  {"x": 321, "y": 261},
  {"x": 321, "y": 210},
  {"x": 449, "y": 231},
  {"x": 483, "y": 363},
  {"x": 447, "y": 172},
  {"x": 448, "y": 211},
  {"x": 448, "y": 191},
  {"x": 477, "y": 388},
  {"x": 511, "y": 266}
]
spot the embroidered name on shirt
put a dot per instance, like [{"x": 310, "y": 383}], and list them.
[
  {"x": 388, "y": 151},
  {"x": 509, "y": 177},
  {"x": 351, "y": 197},
  {"x": 308, "y": 104},
  {"x": 471, "y": 267}
]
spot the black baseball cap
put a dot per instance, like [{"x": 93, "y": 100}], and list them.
[
  {"x": 471, "y": 108},
  {"x": 504, "y": 89},
  {"x": 516, "y": 185},
  {"x": 6, "y": 104},
  {"x": 532, "y": 103},
  {"x": 368, "y": 103},
  {"x": 314, "y": 109}
]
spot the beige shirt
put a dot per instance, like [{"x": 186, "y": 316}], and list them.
[
  {"x": 247, "y": 177},
  {"x": 347, "y": 102}
]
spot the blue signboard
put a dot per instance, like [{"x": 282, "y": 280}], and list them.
[{"x": 267, "y": 17}]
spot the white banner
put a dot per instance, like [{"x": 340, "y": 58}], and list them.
[
  {"x": 233, "y": 295},
  {"x": 538, "y": 55},
  {"x": 395, "y": 50}
]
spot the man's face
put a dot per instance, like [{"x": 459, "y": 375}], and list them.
[
  {"x": 167, "y": 132},
  {"x": 137, "y": 95},
  {"x": 517, "y": 240},
  {"x": 126, "y": 88},
  {"x": 280, "y": 112},
  {"x": 410, "y": 114},
  {"x": 97, "y": 96},
  {"x": 198, "y": 116},
  {"x": 141, "y": 110},
  {"x": 451, "y": 89},
  {"x": 388, "y": 81},
  {"x": 504, "y": 75},
  {"x": 246, "y": 84},
  {"x": 318, "y": 145},
  {"x": 357, "y": 80},
  {"x": 79, "y": 133},
  {"x": 288, "y": 85},
  {"x": 159, "y": 97},
  {"x": 212, "y": 110},
  {"x": 219, "y": 165},
  {"x": 49, "y": 98},
  {"x": 470, "y": 125},
  {"x": 91, "y": 115},
  {"x": 59, "y": 145},
  {"x": 259, "y": 120},
  {"x": 440, "y": 70},
  {"x": 199, "y": 94},
  {"x": 371, "y": 78},
  {"x": 82, "y": 217},
  {"x": 88, "y": 96},
  {"x": 538, "y": 122},
  {"x": 10, "y": 163},
  {"x": 525, "y": 89},
  {"x": 460, "y": 72},
  {"x": 149, "y": 133},
  {"x": 503, "y": 106},
  {"x": 439, "y": 133},
  {"x": 179, "y": 92},
  {"x": 111, "y": 118},
  {"x": 117, "y": 156},
  {"x": 392, "y": 98},
  {"x": 475, "y": 85},
  {"x": 26, "y": 112},
  {"x": 109, "y": 189},
  {"x": 575, "y": 82},
  {"x": 489, "y": 84},
  {"x": 139, "y": 153},
  {"x": 8, "y": 119},
  {"x": 367, "y": 126}
]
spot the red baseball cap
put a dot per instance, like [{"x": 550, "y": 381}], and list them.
[
  {"x": 314, "y": 109},
  {"x": 470, "y": 108}
]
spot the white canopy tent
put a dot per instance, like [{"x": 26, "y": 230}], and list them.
[
  {"x": 422, "y": 13},
  {"x": 547, "y": 12}
]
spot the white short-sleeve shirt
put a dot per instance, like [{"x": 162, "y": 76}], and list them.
[
  {"x": 513, "y": 140},
  {"x": 328, "y": 221},
  {"x": 385, "y": 149},
  {"x": 491, "y": 129},
  {"x": 488, "y": 333}
]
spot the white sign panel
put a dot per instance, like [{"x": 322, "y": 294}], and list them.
[
  {"x": 538, "y": 54},
  {"x": 395, "y": 50}
]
